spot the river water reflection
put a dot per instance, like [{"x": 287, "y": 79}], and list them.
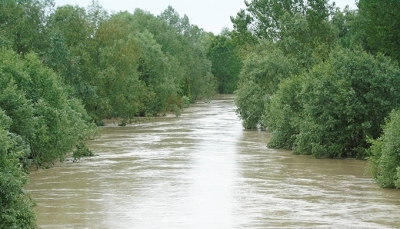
[{"x": 202, "y": 170}]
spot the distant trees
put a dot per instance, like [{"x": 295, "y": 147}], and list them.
[
  {"x": 122, "y": 65},
  {"x": 226, "y": 63}
]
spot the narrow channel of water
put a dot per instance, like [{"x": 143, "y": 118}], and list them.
[{"x": 202, "y": 170}]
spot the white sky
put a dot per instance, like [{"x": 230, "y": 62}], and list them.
[{"x": 211, "y": 15}]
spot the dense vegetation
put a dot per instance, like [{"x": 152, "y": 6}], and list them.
[
  {"x": 323, "y": 80},
  {"x": 226, "y": 62},
  {"x": 65, "y": 69}
]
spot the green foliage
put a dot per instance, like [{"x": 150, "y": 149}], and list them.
[
  {"x": 335, "y": 98},
  {"x": 71, "y": 51},
  {"x": 22, "y": 23},
  {"x": 384, "y": 160},
  {"x": 16, "y": 206},
  {"x": 301, "y": 29},
  {"x": 40, "y": 121},
  {"x": 82, "y": 151},
  {"x": 154, "y": 69},
  {"x": 346, "y": 101},
  {"x": 348, "y": 27},
  {"x": 267, "y": 15},
  {"x": 197, "y": 81},
  {"x": 332, "y": 110},
  {"x": 259, "y": 79},
  {"x": 186, "y": 101},
  {"x": 250, "y": 100},
  {"x": 266, "y": 18},
  {"x": 381, "y": 21},
  {"x": 127, "y": 65},
  {"x": 299, "y": 36},
  {"x": 41, "y": 107},
  {"x": 284, "y": 113},
  {"x": 226, "y": 63},
  {"x": 147, "y": 64},
  {"x": 120, "y": 91},
  {"x": 242, "y": 32},
  {"x": 321, "y": 85}
]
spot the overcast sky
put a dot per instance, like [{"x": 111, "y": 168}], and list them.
[{"x": 211, "y": 15}]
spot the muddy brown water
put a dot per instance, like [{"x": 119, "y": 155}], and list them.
[{"x": 202, "y": 170}]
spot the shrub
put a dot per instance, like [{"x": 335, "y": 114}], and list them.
[
  {"x": 384, "y": 162},
  {"x": 346, "y": 101}
]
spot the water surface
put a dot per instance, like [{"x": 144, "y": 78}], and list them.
[{"x": 202, "y": 170}]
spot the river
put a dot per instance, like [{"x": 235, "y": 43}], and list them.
[{"x": 203, "y": 170}]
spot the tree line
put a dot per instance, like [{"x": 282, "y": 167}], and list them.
[
  {"x": 65, "y": 69},
  {"x": 324, "y": 81}
]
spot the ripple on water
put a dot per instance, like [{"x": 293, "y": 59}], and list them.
[{"x": 202, "y": 170}]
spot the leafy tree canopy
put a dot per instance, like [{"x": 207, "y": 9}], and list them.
[{"x": 226, "y": 63}]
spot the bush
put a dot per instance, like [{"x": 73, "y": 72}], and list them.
[
  {"x": 283, "y": 113},
  {"x": 82, "y": 151},
  {"x": 250, "y": 100},
  {"x": 346, "y": 101},
  {"x": 186, "y": 101},
  {"x": 384, "y": 162}
]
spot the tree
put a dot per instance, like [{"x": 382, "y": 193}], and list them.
[
  {"x": 41, "y": 107},
  {"x": 154, "y": 69},
  {"x": 301, "y": 29},
  {"x": 345, "y": 102},
  {"x": 16, "y": 206},
  {"x": 226, "y": 63},
  {"x": 348, "y": 27},
  {"x": 283, "y": 113},
  {"x": 381, "y": 21},
  {"x": 265, "y": 18},
  {"x": 39, "y": 122},
  {"x": 146, "y": 52},
  {"x": 259, "y": 79},
  {"x": 121, "y": 94},
  {"x": 72, "y": 51},
  {"x": 22, "y": 23},
  {"x": 242, "y": 30},
  {"x": 198, "y": 81}
]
